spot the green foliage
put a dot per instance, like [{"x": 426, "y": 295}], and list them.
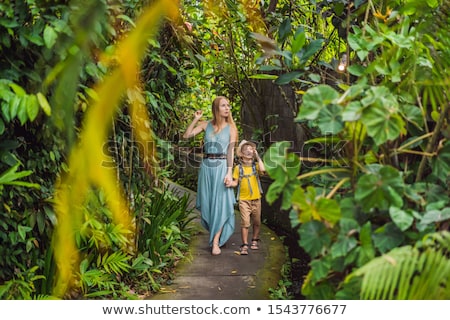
[
  {"x": 283, "y": 168},
  {"x": 419, "y": 272},
  {"x": 21, "y": 287},
  {"x": 303, "y": 44},
  {"x": 371, "y": 201},
  {"x": 48, "y": 64},
  {"x": 162, "y": 235},
  {"x": 387, "y": 187},
  {"x": 282, "y": 291},
  {"x": 12, "y": 176},
  {"x": 163, "y": 218}
]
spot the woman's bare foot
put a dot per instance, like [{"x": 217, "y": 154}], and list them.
[{"x": 215, "y": 249}]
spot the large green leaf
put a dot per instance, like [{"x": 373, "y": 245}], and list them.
[
  {"x": 343, "y": 245},
  {"x": 330, "y": 120},
  {"x": 366, "y": 249},
  {"x": 441, "y": 163},
  {"x": 382, "y": 125},
  {"x": 313, "y": 207},
  {"x": 50, "y": 36},
  {"x": 277, "y": 162},
  {"x": 319, "y": 269},
  {"x": 352, "y": 111},
  {"x": 285, "y": 29},
  {"x": 380, "y": 188},
  {"x": 14, "y": 106},
  {"x": 43, "y": 102},
  {"x": 274, "y": 191},
  {"x": 348, "y": 226},
  {"x": 388, "y": 237},
  {"x": 288, "y": 192},
  {"x": 402, "y": 219},
  {"x": 32, "y": 107},
  {"x": 314, "y": 237},
  {"x": 381, "y": 115},
  {"x": 22, "y": 112},
  {"x": 346, "y": 240},
  {"x": 315, "y": 100},
  {"x": 299, "y": 40},
  {"x": 288, "y": 77},
  {"x": 310, "y": 49},
  {"x": 283, "y": 168},
  {"x": 434, "y": 216}
]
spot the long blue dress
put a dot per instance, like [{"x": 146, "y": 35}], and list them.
[{"x": 214, "y": 200}]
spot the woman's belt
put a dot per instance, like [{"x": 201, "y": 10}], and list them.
[{"x": 215, "y": 156}]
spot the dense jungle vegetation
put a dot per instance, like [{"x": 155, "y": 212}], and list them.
[{"x": 94, "y": 94}]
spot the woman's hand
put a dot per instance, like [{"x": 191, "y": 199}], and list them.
[
  {"x": 198, "y": 114},
  {"x": 228, "y": 180}
]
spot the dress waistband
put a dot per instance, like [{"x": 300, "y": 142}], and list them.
[{"x": 214, "y": 156}]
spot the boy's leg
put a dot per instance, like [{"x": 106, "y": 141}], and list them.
[
  {"x": 256, "y": 221},
  {"x": 244, "y": 235},
  {"x": 244, "y": 209}
]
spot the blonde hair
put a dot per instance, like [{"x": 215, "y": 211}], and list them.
[{"x": 216, "y": 111}]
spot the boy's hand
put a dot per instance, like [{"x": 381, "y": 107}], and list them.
[
  {"x": 231, "y": 183},
  {"x": 255, "y": 153}
]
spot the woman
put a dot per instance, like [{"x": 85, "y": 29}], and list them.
[{"x": 215, "y": 197}]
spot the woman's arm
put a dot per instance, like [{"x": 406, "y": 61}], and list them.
[
  {"x": 195, "y": 127},
  {"x": 230, "y": 155}
]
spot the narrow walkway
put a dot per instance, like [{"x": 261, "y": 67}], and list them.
[{"x": 228, "y": 276}]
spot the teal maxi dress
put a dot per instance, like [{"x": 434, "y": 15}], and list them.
[{"x": 215, "y": 201}]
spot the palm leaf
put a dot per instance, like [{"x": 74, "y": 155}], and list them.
[
  {"x": 421, "y": 272},
  {"x": 116, "y": 262}
]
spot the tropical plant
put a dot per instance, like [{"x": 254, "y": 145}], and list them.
[
  {"x": 375, "y": 175},
  {"x": 164, "y": 231},
  {"x": 419, "y": 272},
  {"x": 22, "y": 286},
  {"x": 46, "y": 55}
]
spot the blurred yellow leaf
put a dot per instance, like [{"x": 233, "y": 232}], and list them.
[
  {"x": 87, "y": 162},
  {"x": 44, "y": 103}
]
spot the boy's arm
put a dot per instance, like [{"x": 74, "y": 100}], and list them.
[
  {"x": 261, "y": 167},
  {"x": 233, "y": 183}
]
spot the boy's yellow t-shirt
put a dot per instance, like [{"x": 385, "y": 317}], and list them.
[{"x": 246, "y": 188}]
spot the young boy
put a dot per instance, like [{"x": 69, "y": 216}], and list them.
[{"x": 246, "y": 178}]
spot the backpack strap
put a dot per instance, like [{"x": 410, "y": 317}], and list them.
[
  {"x": 257, "y": 177},
  {"x": 241, "y": 174},
  {"x": 247, "y": 176}
]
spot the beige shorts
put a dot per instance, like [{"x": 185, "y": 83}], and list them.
[{"x": 250, "y": 208}]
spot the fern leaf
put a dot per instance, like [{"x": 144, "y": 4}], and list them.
[{"x": 421, "y": 272}]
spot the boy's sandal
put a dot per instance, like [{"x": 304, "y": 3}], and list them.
[
  {"x": 254, "y": 245},
  {"x": 244, "y": 249}
]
